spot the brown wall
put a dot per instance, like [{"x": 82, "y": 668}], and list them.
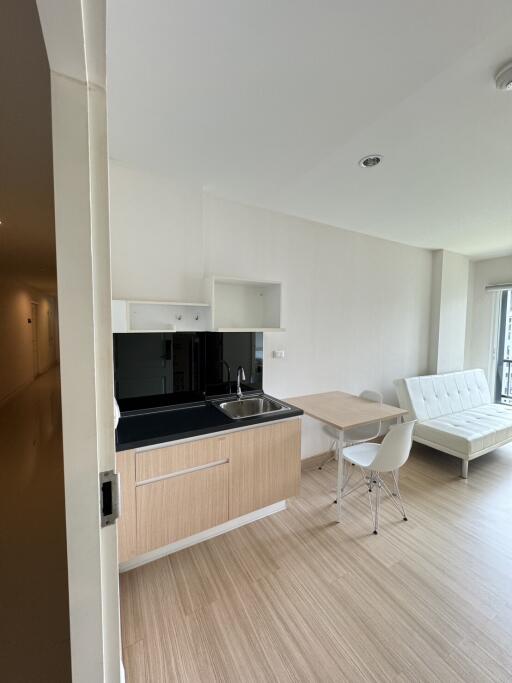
[{"x": 16, "y": 356}]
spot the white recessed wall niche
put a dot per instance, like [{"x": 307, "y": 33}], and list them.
[{"x": 244, "y": 305}]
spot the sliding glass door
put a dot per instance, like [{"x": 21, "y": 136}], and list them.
[{"x": 504, "y": 364}]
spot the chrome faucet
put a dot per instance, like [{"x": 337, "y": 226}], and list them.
[{"x": 240, "y": 377}]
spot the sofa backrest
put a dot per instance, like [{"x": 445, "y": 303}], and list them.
[{"x": 431, "y": 396}]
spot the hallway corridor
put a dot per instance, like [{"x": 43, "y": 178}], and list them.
[{"x": 34, "y": 627}]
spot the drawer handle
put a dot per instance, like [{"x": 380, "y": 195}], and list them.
[{"x": 198, "y": 468}]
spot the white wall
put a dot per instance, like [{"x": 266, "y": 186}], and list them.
[
  {"x": 481, "y": 336},
  {"x": 157, "y": 248},
  {"x": 16, "y": 299},
  {"x": 356, "y": 308},
  {"x": 450, "y": 278}
]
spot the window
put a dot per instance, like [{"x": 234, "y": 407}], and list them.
[{"x": 504, "y": 364}]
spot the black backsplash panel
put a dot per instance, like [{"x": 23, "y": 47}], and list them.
[{"x": 158, "y": 369}]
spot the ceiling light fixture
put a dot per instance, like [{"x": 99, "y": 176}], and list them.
[
  {"x": 504, "y": 77},
  {"x": 370, "y": 161}
]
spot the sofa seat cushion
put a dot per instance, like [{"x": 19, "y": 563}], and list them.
[{"x": 469, "y": 431}]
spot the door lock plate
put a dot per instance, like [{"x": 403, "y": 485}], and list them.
[{"x": 109, "y": 497}]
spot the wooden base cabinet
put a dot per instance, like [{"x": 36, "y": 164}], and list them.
[
  {"x": 170, "y": 493},
  {"x": 127, "y": 522},
  {"x": 264, "y": 466}
]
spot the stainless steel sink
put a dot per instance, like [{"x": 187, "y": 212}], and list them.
[{"x": 250, "y": 407}]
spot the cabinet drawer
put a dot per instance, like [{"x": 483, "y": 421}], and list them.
[
  {"x": 160, "y": 462},
  {"x": 180, "y": 506}
]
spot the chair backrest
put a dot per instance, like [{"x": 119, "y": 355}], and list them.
[
  {"x": 395, "y": 448},
  {"x": 371, "y": 431},
  {"x": 370, "y": 395}
]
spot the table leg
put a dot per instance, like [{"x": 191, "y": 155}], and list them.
[
  {"x": 397, "y": 472},
  {"x": 341, "y": 473}
]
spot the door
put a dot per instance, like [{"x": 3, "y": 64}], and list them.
[
  {"x": 504, "y": 357},
  {"x": 74, "y": 34},
  {"x": 50, "y": 322},
  {"x": 35, "y": 338}
]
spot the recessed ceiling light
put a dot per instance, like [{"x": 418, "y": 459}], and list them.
[
  {"x": 370, "y": 161},
  {"x": 504, "y": 77}
]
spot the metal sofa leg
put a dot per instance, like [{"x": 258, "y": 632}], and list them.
[{"x": 464, "y": 469}]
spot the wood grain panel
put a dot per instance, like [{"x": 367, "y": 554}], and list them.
[
  {"x": 264, "y": 466},
  {"x": 180, "y": 506},
  {"x": 161, "y": 461},
  {"x": 344, "y": 411},
  {"x": 126, "y": 524}
]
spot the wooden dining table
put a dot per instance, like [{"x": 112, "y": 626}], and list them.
[{"x": 342, "y": 412}]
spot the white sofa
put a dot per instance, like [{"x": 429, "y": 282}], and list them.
[{"x": 455, "y": 414}]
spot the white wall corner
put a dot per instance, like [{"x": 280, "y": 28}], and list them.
[
  {"x": 435, "y": 310},
  {"x": 469, "y": 316},
  {"x": 450, "y": 289}
]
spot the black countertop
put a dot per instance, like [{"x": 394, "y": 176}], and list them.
[{"x": 150, "y": 428}]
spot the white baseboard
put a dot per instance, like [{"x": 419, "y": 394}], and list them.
[{"x": 202, "y": 536}]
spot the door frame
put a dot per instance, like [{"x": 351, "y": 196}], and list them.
[
  {"x": 75, "y": 37},
  {"x": 499, "y": 356}
]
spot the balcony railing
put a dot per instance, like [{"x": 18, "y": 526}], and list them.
[{"x": 506, "y": 381}]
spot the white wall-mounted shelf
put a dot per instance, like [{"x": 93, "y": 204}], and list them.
[
  {"x": 249, "y": 329},
  {"x": 159, "y": 316},
  {"x": 237, "y": 305},
  {"x": 244, "y": 305}
]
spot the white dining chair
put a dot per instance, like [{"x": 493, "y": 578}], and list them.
[
  {"x": 358, "y": 434},
  {"x": 374, "y": 460}
]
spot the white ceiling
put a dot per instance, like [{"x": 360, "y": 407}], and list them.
[{"x": 273, "y": 103}]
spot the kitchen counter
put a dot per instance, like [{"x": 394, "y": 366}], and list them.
[{"x": 136, "y": 430}]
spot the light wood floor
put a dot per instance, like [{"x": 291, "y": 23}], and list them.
[
  {"x": 297, "y": 597},
  {"x": 34, "y": 621}
]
